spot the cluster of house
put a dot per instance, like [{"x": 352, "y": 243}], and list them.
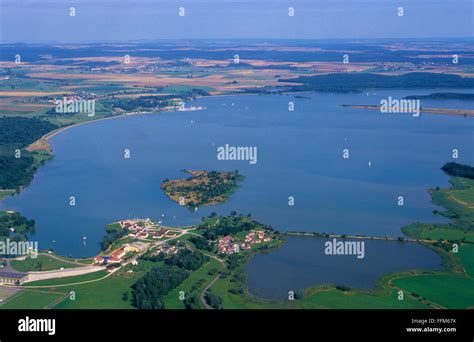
[
  {"x": 117, "y": 256},
  {"x": 143, "y": 229},
  {"x": 227, "y": 245},
  {"x": 256, "y": 237},
  {"x": 135, "y": 225}
]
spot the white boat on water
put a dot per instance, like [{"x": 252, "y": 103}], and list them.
[{"x": 190, "y": 109}]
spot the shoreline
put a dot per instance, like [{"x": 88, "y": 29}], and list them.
[
  {"x": 42, "y": 144},
  {"x": 356, "y": 237},
  {"x": 44, "y": 140}
]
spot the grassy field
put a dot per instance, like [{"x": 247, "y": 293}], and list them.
[
  {"x": 41, "y": 263},
  {"x": 68, "y": 280},
  {"x": 437, "y": 232},
  {"x": 458, "y": 201},
  {"x": 32, "y": 299},
  {"x": 103, "y": 294},
  {"x": 246, "y": 301},
  {"x": 449, "y": 290},
  {"x": 6, "y": 292},
  {"x": 462, "y": 191},
  {"x": 335, "y": 299},
  {"x": 466, "y": 253}
]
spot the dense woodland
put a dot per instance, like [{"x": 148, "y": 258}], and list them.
[
  {"x": 187, "y": 259},
  {"x": 17, "y": 133},
  {"x": 21, "y": 225},
  {"x": 443, "y": 96},
  {"x": 213, "y": 300},
  {"x": 111, "y": 236},
  {"x": 201, "y": 243},
  {"x": 356, "y": 82},
  {"x": 230, "y": 225},
  {"x": 458, "y": 170},
  {"x": 148, "y": 292},
  {"x": 16, "y": 172}
]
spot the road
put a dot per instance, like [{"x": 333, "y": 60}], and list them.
[
  {"x": 68, "y": 272},
  {"x": 203, "y": 293}
]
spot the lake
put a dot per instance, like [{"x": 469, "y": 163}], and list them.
[
  {"x": 299, "y": 155},
  {"x": 302, "y": 263}
]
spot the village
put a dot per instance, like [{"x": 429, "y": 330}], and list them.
[
  {"x": 230, "y": 245},
  {"x": 142, "y": 234}
]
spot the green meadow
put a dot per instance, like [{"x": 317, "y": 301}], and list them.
[
  {"x": 41, "y": 263},
  {"x": 32, "y": 299},
  {"x": 448, "y": 290},
  {"x": 332, "y": 298}
]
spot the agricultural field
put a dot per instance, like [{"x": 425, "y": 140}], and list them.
[
  {"x": 332, "y": 298},
  {"x": 448, "y": 290}
]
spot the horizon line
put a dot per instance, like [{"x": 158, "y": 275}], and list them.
[{"x": 3, "y": 42}]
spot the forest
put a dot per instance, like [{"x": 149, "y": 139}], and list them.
[
  {"x": 148, "y": 291},
  {"x": 18, "y": 167},
  {"x": 357, "y": 82},
  {"x": 458, "y": 170}
]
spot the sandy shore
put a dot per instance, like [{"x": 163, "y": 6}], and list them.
[{"x": 42, "y": 144}]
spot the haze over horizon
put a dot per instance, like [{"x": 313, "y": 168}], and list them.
[{"x": 34, "y": 21}]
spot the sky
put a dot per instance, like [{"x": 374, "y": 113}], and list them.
[{"x": 35, "y": 21}]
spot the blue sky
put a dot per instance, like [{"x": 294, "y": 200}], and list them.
[{"x": 125, "y": 20}]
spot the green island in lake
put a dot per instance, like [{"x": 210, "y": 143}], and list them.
[{"x": 202, "y": 188}]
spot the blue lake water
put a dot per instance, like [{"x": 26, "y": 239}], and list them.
[
  {"x": 299, "y": 154},
  {"x": 302, "y": 263}
]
